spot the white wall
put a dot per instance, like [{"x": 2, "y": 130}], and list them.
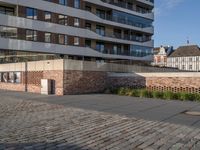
[{"x": 187, "y": 62}]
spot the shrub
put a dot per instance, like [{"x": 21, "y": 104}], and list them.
[
  {"x": 128, "y": 91},
  {"x": 145, "y": 93},
  {"x": 187, "y": 96},
  {"x": 176, "y": 96},
  {"x": 157, "y": 94},
  {"x": 121, "y": 91},
  {"x": 190, "y": 96},
  {"x": 168, "y": 95},
  {"x": 197, "y": 97},
  {"x": 135, "y": 92}
]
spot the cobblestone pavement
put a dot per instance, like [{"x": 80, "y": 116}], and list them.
[{"x": 38, "y": 125}]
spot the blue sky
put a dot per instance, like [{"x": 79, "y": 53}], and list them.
[{"x": 175, "y": 21}]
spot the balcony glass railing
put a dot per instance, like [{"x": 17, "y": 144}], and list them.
[
  {"x": 127, "y": 6},
  {"x": 128, "y": 37},
  {"x": 127, "y": 52},
  {"x": 124, "y": 21}
]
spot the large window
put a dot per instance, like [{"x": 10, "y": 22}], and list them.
[
  {"x": 47, "y": 37},
  {"x": 10, "y": 77},
  {"x": 63, "y": 2},
  {"x": 31, "y": 13},
  {"x": 62, "y": 39},
  {"x": 8, "y": 32},
  {"x": 62, "y": 19},
  {"x": 76, "y": 41},
  {"x": 10, "y": 56},
  {"x": 101, "y": 13},
  {"x": 100, "y": 30},
  {"x": 47, "y": 16},
  {"x": 7, "y": 10},
  {"x": 31, "y": 35},
  {"x": 77, "y": 3},
  {"x": 88, "y": 26},
  {"x": 100, "y": 46},
  {"x": 76, "y": 22},
  {"x": 140, "y": 51},
  {"x": 129, "y": 19}
]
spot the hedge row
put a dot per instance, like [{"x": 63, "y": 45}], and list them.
[{"x": 167, "y": 95}]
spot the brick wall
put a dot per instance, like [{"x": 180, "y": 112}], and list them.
[
  {"x": 12, "y": 87},
  {"x": 132, "y": 82},
  {"x": 159, "y": 83},
  {"x": 80, "y": 82},
  {"x": 57, "y": 77},
  {"x": 67, "y": 82},
  {"x": 174, "y": 84}
]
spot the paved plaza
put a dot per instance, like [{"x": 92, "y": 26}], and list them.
[{"x": 95, "y": 122}]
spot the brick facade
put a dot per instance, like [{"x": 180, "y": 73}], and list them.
[
  {"x": 174, "y": 84},
  {"x": 64, "y": 82},
  {"x": 132, "y": 82},
  {"x": 80, "y": 82},
  {"x": 80, "y": 77},
  {"x": 57, "y": 77},
  {"x": 12, "y": 87}
]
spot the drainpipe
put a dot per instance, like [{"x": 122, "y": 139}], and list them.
[{"x": 26, "y": 76}]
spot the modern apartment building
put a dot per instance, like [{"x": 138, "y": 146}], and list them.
[{"x": 76, "y": 29}]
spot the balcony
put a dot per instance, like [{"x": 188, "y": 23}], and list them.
[
  {"x": 126, "y": 5},
  {"x": 123, "y": 21}
]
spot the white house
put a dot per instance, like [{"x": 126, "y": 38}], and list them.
[
  {"x": 160, "y": 56},
  {"x": 185, "y": 58}
]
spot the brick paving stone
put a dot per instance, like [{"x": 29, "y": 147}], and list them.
[{"x": 35, "y": 125}]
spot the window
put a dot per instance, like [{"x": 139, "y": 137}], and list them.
[
  {"x": 190, "y": 67},
  {"x": 47, "y": 16},
  {"x": 100, "y": 46},
  {"x": 8, "y": 32},
  {"x": 100, "y": 30},
  {"x": 47, "y": 37},
  {"x": 76, "y": 41},
  {"x": 62, "y": 19},
  {"x": 31, "y": 35},
  {"x": 88, "y": 26},
  {"x": 62, "y": 39},
  {"x": 100, "y": 13},
  {"x": 76, "y": 22},
  {"x": 116, "y": 49},
  {"x": 190, "y": 59},
  {"x": 88, "y": 43},
  {"x": 31, "y": 13},
  {"x": 88, "y": 8},
  {"x": 7, "y": 10},
  {"x": 63, "y": 2},
  {"x": 10, "y": 77},
  {"x": 4, "y": 77},
  {"x": 77, "y": 3}
]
